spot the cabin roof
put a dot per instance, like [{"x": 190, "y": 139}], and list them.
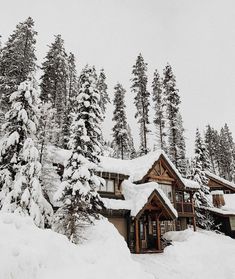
[
  {"x": 135, "y": 169},
  {"x": 220, "y": 180},
  {"x": 228, "y": 209},
  {"x": 137, "y": 196}
]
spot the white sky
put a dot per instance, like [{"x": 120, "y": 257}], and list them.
[{"x": 196, "y": 37}]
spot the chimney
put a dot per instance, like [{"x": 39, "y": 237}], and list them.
[{"x": 218, "y": 198}]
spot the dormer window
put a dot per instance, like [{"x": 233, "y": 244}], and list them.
[{"x": 108, "y": 187}]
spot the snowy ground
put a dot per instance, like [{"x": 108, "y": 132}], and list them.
[
  {"x": 200, "y": 255},
  {"x": 31, "y": 253}
]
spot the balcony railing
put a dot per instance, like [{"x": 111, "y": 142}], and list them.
[{"x": 183, "y": 207}]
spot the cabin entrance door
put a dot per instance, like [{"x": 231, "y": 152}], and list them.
[
  {"x": 148, "y": 232},
  {"x": 152, "y": 234}
]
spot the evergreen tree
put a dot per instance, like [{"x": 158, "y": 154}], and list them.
[
  {"x": 120, "y": 129},
  {"x": 181, "y": 147},
  {"x": 17, "y": 61},
  {"x": 19, "y": 162},
  {"x": 139, "y": 88},
  {"x": 212, "y": 143},
  {"x": 176, "y": 142},
  {"x": 102, "y": 88},
  {"x": 132, "y": 151},
  {"x": 159, "y": 106},
  {"x": 72, "y": 92},
  {"x": 226, "y": 154},
  {"x": 54, "y": 82},
  {"x": 202, "y": 195},
  {"x": 78, "y": 190}
]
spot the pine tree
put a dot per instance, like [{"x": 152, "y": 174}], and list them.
[
  {"x": 139, "y": 88},
  {"x": 201, "y": 164},
  {"x": 102, "y": 88},
  {"x": 159, "y": 109},
  {"x": 17, "y": 61},
  {"x": 226, "y": 153},
  {"x": 72, "y": 92},
  {"x": 78, "y": 190},
  {"x": 212, "y": 143},
  {"x": 181, "y": 147},
  {"x": 120, "y": 129},
  {"x": 54, "y": 82},
  {"x": 19, "y": 162},
  {"x": 175, "y": 130},
  {"x": 132, "y": 151}
]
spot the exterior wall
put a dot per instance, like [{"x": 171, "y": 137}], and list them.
[
  {"x": 215, "y": 185},
  {"x": 121, "y": 225}
]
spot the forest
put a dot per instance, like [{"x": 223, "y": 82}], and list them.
[{"x": 66, "y": 109}]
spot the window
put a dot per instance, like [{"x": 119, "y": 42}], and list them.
[
  {"x": 179, "y": 196},
  {"x": 227, "y": 191},
  {"x": 232, "y": 223},
  {"x": 167, "y": 189},
  {"x": 108, "y": 186},
  {"x": 187, "y": 197}
]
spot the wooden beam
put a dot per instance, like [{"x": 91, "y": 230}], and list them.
[
  {"x": 163, "y": 178},
  {"x": 158, "y": 234},
  {"x": 137, "y": 237}
]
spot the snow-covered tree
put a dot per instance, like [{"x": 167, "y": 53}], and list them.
[
  {"x": 212, "y": 144},
  {"x": 201, "y": 164},
  {"x": 175, "y": 148},
  {"x": 78, "y": 191},
  {"x": 120, "y": 129},
  {"x": 181, "y": 147},
  {"x": 102, "y": 88},
  {"x": 141, "y": 100},
  {"x": 226, "y": 153},
  {"x": 17, "y": 61},
  {"x": 72, "y": 92},
  {"x": 19, "y": 158},
  {"x": 54, "y": 82},
  {"x": 159, "y": 110}
]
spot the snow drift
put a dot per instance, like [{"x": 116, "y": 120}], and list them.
[{"x": 29, "y": 252}]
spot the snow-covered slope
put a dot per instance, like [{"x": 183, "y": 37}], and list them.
[
  {"x": 31, "y": 253},
  {"x": 193, "y": 255}
]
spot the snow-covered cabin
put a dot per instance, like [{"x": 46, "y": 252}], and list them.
[
  {"x": 216, "y": 182},
  {"x": 223, "y": 212},
  {"x": 144, "y": 198}
]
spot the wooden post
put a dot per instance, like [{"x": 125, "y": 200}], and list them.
[
  {"x": 137, "y": 237},
  {"x": 194, "y": 220},
  {"x": 158, "y": 235}
]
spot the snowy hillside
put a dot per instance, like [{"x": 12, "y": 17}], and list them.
[
  {"x": 199, "y": 255},
  {"x": 31, "y": 253}
]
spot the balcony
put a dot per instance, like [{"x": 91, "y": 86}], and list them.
[{"x": 184, "y": 207}]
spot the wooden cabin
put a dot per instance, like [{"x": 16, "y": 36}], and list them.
[
  {"x": 146, "y": 197},
  {"x": 223, "y": 212},
  {"x": 218, "y": 183}
]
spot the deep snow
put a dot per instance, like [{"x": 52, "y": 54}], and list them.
[
  {"x": 199, "y": 255},
  {"x": 31, "y": 253}
]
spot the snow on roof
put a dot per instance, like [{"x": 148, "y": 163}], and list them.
[
  {"x": 136, "y": 196},
  {"x": 191, "y": 184},
  {"x": 136, "y": 168},
  {"x": 222, "y": 180},
  {"x": 228, "y": 208}
]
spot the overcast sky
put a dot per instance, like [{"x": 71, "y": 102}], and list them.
[{"x": 196, "y": 37}]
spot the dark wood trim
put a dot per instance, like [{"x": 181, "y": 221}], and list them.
[{"x": 137, "y": 238}]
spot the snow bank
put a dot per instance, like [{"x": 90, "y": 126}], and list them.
[
  {"x": 193, "y": 255},
  {"x": 29, "y": 252}
]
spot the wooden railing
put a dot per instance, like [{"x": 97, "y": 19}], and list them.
[{"x": 183, "y": 207}]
